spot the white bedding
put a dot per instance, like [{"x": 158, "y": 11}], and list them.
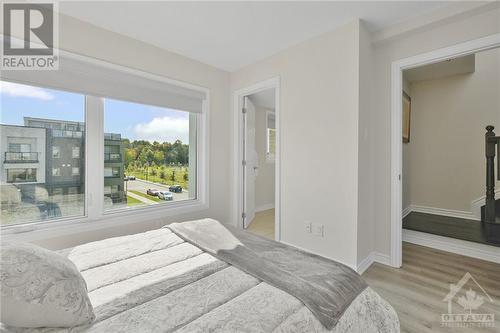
[{"x": 156, "y": 282}]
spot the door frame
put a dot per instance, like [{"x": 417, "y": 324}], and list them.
[
  {"x": 462, "y": 49},
  {"x": 238, "y": 151}
]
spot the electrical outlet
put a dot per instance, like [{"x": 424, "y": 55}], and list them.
[
  {"x": 317, "y": 229},
  {"x": 308, "y": 226}
]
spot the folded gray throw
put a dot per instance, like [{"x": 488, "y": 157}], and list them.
[{"x": 326, "y": 287}]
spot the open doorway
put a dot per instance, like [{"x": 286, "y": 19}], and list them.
[
  {"x": 406, "y": 198},
  {"x": 257, "y": 159},
  {"x": 447, "y": 107},
  {"x": 260, "y": 161}
]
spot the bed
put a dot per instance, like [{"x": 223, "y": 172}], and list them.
[{"x": 159, "y": 281}]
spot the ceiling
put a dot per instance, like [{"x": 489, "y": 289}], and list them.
[
  {"x": 231, "y": 35},
  {"x": 442, "y": 69},
  {"x": 264, "y": 99}
]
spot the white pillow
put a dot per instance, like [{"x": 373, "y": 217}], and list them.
[{"x": 41, "y": 288}]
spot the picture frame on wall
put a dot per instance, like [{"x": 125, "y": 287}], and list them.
[{"x": 406, "y": 117}]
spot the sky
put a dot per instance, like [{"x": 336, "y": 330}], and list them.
[{"x": 133, "y": 121}]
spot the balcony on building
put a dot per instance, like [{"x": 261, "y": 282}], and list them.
[
  {"x": 21, "y": 157},
  {"x": 112, "y": 157}
]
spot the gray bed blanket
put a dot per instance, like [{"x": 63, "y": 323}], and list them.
[{"x": 326, "y": 287}]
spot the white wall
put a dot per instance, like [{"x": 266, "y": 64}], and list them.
[
  {"x": 445, "y": 163},
  {"x": 319, "y": 133},
  {"x": 82, "y": 38},
  {"x": 450, "y": 32},
  {"x": 366, "y": 191},
  {"x": 265, "y": 181}
]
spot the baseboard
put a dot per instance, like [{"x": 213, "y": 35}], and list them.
[
  {"x": 365, "y": 264},
  {"x": 440, "y": 211},
  {"x": 479, "y": 202},
  {"x": 457, "y": 246},
  {"x": 262, "y": 208},
  {"x": 370, "y": 259},
  {"x": 406, "y": 211}
]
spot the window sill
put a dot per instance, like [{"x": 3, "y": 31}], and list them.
[{"x": 30, "y": 232}]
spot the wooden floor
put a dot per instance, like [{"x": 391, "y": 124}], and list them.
[
  {"x": 453, "y": 227},
  {"x": 263, "y": 224},
  {"x": 417, "y": 289}
]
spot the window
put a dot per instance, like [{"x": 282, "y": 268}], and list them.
[
  {"x": 21, "y": 175},
  {"x": 111, "y": 171},
  {"x": 270, "y": 136},
  {"x": 19, "y": 147},
  {"x": 59, "y": 128},
  {"x": 56, "y": 172},
  {"x": 75, "y": 152},
  {"x": 56, "y": 153},
  {"x": 30, "y": 116},
  {"x": 158, "y": 146}
]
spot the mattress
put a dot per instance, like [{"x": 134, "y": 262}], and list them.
[{"x": 157, "y": 282}]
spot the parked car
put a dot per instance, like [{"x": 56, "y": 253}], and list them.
[
  {"x": 175, "y": 188},
  {"x": 165, "y": 195},
  {"x": 152, "y": 191},
  {"x": 131, "y": 177}
]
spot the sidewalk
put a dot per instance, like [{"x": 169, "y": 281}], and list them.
[{"x": 142, "y": 199}]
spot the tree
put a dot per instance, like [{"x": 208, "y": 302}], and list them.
[
  {"x": 162, "y": 174},
  {"x": 185, "y": 176},
  {"x": 146, "y": 156},
  {"x": 159, "y": 157},
  {"x": 130, "y": 155},
  {"x": 172, "y": 176}
]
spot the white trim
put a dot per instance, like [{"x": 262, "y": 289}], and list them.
[
  {"x": 397, "y": 67},
  {"x": 479, "y": 202},
  {"x": 365, "y": 264},
  {"x": 457, "y": 246},
  {"x": 70, "y": 226},
  {"x": 440, "y": 211},
  {"x": 406, "y": 211},
  {"x": 95, "y": 218},
  {"x": 273, "y": 83},
  {"x": 264, "y": 207},
  {"x": 370, "y": 259}
]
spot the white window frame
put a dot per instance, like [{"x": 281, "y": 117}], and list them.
[{"x": 95, "y": 216}]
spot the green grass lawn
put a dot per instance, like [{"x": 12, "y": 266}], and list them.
[
  {"x": 133, "y": 201},
  {"x": 167, "y": 180},
  {"x": 144, "y": 195}
]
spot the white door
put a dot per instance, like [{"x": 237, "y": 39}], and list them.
[{"x": 251, "y": 162}]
